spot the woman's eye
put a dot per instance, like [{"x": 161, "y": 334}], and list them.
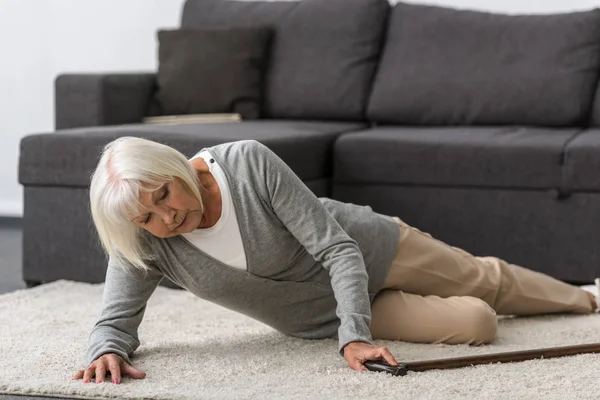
[{"x": 165, "y": 195}]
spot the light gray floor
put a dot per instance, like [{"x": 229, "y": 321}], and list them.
[
  {"x": 10, "y": 276},
  {"x": 10, "y": 259}
]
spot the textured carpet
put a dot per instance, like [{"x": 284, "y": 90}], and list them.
[{"x": 192, "y": 349}]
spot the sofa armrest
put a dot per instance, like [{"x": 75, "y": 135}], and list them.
[{"x": 102, "y": 99}]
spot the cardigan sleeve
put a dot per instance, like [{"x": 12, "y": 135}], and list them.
[
  {"x": 126, "y": 292},
  {"x": 303, "y": 214}
]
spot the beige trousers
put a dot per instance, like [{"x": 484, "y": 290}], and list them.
[{"x": 436, "y": 293}]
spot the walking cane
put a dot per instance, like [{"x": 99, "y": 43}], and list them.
[{"x": 459, "y": 362}]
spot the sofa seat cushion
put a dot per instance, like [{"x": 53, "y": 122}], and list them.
[
  {"x": 447, "y": 66},
  {"x": 510, "y": 157},
  {"x": 68, "y": 157},
  {"x": 582, "y": 162}
]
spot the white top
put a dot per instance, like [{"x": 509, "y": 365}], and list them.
[{"x": 222, "y": 241}]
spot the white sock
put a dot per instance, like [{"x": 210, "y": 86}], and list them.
[{"x": 597, "y": 282}]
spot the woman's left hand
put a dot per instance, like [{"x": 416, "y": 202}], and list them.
[{"x": 356, "y": 353}]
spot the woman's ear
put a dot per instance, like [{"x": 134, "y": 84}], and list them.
[{"x": 200, "y": 165}]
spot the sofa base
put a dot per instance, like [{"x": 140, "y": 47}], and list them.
[
  {"x": 31, "y": 283},
  {"x": 534, "y": 229}
]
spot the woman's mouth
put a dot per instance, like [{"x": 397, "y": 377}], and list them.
[{"x": 182, "y": 222}]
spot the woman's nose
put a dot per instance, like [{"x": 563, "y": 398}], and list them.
[{"x": 168, "y": 215}]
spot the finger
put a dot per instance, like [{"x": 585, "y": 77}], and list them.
[
  {"x": 88, "y": 374},
  {"x": 132, "y": 372},
  {"x": 78, "y": 375},
  {"x": 357, "y": 365},
  {"x": 389, "y": 357},
  {"x": 100, "y": 373},
  {"x": 115, "y": 371}
]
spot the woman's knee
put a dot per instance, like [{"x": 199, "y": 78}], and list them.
[{"x": 480, "y": 324}]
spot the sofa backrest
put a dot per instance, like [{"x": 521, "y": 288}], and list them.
[
  {"x": 595, "y": 117},
  {"x": 445, "y": 66},
  {"x": 324, "y": 52}
]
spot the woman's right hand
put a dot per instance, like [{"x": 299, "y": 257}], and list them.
[{"x": 109, "y": 362}]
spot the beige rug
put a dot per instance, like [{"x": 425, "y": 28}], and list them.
[{"x": 192, "y": 349}]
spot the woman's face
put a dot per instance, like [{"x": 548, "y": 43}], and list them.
[{"x": 169, "y": 211}]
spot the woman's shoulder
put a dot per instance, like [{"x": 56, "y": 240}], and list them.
[
  {"x": 242, "y": 156},
  {"x": 235, "y": 146}
]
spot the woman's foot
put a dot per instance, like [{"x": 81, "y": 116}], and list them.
[
  {"x": 593, "y": 293},
  {"x": 592, "y": 299}
]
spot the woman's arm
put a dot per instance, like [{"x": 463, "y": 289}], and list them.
[
  {"x": 308, "y": 220},
  {"x": 126, "y": 292}
]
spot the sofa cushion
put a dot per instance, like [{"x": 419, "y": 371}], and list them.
[
  {"x": 595, "y": 115},
  {"x": 443, "y": 66},
  {"x": 324, "y": 52},
  {"x": 452, "y": 156},
  {"x": 212, "y": 71},
  {"x": 68, "y": 157},
  {"x": 582, "y": 162}
]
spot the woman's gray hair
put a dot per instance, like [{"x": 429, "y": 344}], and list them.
[{"x": 129, "y": 166}]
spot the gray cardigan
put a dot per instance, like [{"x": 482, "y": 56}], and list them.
[{"x": 314, "y": 264}]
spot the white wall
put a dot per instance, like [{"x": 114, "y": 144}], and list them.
[
  {"x": 42, "y": 38},
  {"x": 514, "y": 6}
]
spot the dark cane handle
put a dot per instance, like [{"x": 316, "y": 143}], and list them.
[{"x": 383, "y": 366}]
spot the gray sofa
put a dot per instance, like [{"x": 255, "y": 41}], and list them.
[{"x": 482, "y": 129}]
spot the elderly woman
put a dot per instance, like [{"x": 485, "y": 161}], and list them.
[{"x": 234, "y": 225}]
